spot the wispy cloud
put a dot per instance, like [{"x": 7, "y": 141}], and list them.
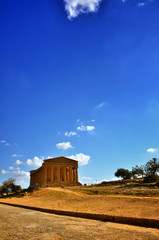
[
  {"x": 101, "y": 105},
  {"x": 141, "y": 4},
  {"x": 87, "y": 178},
  {"x": 4, "y": 171},
  {"x": 151, "y": 150},
  {"x": 83, "y": 128},
  {"x": 144, "y": 3},
  {"x": 64, "y": 145},
  {"x": 69, "y": 134},
  {"x": 11, "y": 168},
  {"x": 77, "y": 7},
  {"x": 16, "y": 155},
  {"x": 109, "y": 180},
  {"x": 5, "y": 142},
  {"x": 81, "y": 158}
]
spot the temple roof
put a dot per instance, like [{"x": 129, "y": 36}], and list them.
[{"x": 60, "y": 158}]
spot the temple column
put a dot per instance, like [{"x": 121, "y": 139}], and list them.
[
  {"x": 65, "y": 169},
  {"x": 45, "y": 175},
  {"x": 58, "y": 174},
  {"x": 71, "y": 174},
  {"x": 52, "y": 174},
  {"x": 76, "y": 174}
]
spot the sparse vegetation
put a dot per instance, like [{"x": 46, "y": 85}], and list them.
[
  {"x": 109, "y": 200},
  {"x": 148, "y": 171},
  {"x": 9, "y": 187},
  {"x": 138, "y": 171},
  {"x": 151, "y": 169}
]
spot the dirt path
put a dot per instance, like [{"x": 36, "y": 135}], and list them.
[{"x": 17, "y": 223}]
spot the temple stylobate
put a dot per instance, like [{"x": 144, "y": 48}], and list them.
[{"x": 55, "y": 171}]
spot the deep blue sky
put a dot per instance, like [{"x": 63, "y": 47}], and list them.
[{"x": 57, "y": 74}]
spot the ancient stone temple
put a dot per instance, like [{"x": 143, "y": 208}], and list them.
[{"x": 55, "y": 171}]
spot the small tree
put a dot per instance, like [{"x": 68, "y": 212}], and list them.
[
  {"x": 16, "y": 188},
  {"x": 133, "y": 172},
  {"x": 9, "y": 186},
  {"x": 151, "y": 170},
  {"x": 123, "y": 173},
  {"x": 138, "y": 171}
]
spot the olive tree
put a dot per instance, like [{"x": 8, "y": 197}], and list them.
[
  {"x": 138, "y": 171},
  {"x": 123, "y": 173},
  {"x": 151, "y": 170},
  {"x": 9, "y": 186}
]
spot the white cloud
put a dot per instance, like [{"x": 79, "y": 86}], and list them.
[
  {"x": 35, "y": 162},
  {"x": 83, "y": 128},
  {"x": 64, "y": 145},
  {"x": 101, "y": 105},
  {"x": 5, "y": 142},
  {"x": 87, "y": 178},
  {"x": 76, "y": 7},
  {"x": 141, "y": 4},
  {"x": 20, "y": 176},
  {"x": 81, "y": 158},
  {"x": 18, "y": 162},
  {"x": 4, "y": 171},
  {"x": 69, "y": 134},
  {"x": 17, "y": 155},
  {"x": 11, "y": 168},
  {"x": 90, "y": 128},
  {"x": 151, "y": 150}
]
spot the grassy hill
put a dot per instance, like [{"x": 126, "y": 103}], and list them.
[{"x": 77, "y": 199}]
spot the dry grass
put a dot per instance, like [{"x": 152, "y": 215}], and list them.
[
  {"x": 126, "y": 190},
  {"x": 73, "y": 200}
]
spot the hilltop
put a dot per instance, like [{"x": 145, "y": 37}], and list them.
[{"x": 92, "y": 199}]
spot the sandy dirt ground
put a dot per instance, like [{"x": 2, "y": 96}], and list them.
[
  {"x": 18, "y": 224},
  {"x": 65, "y": 199}
]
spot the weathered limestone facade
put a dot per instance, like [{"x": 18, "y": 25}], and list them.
[{"x": 55, "y": 171}]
